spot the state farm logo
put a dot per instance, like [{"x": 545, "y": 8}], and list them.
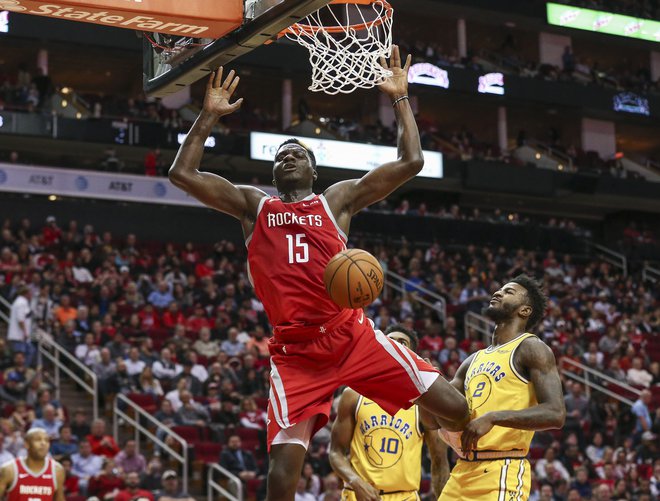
[
  {"x": 12, "y": 5},
  {"x": 109, "y": 17}
]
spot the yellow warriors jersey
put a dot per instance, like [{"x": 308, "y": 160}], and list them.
[
  {"x": 387, "y": 450},
  {"x": 492, "y": 383}
]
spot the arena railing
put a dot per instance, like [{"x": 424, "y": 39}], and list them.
[
  {"x": 122, "y": 404},
  {"x": 555, "y": 154},
  {"x": 479, "y": 323},
  {"x": 4, "y": 304},
  {"x": 399, "y": 283},
  {"x": 214, "y": 486},
  {"x": 650, "y": 274},
  {"x": 595, "y": 380},
  {"x": 616, "y": 259},
  {"x": 63, "y": 361}
]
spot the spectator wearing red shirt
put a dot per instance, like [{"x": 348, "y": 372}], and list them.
[
  {"x": 71, "y": 487},
  {"x": 132, "y": 490},
  {"x": 251, "y": 416},
  {"x": 151, "y": 162},
  {"x": 433, "y": 342},
  {"x": 51, "y": 232},
  {"x": 198, "y": 319},
  {"x": 102, "y": 444},
  {"x": 173, "y": 316},
  {"x": 108, "y": 483},
  {"x": 149, "y": 318},
  {"x": 205, "y": 269}
]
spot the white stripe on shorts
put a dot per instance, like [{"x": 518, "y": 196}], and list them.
[
  {"x": 281, "y": 396},
  {"x": 505, "y": 470},
  {"x": 521, "y": 472},
  {"x": 410, "y": 367}
]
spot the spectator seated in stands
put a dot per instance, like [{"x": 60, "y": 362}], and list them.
[
  {"x": 232, "y": 346},
  {"x": 192, "y": 413},
  {"x": 86, "y": 465},
  {"x": 5, "y": 455},
  {"x": 129, "y": 460},
  {"x": 205, "y": 346},
  {"x": 132, "y": 491},
  {"x": 134, "y": 365},
  {"x": 148, "y": 384},
  {"x": 102, "y": 444},
  {"x": 49, "y": 422},
  {"x": 107, "y": 483},
  {"x": 65, "y": 445},
  {"x": 71, "y": 481},
  {"x": 238, "y": 461},
  {"x": 170, "y": 490},
  {"x": 193, "y": 384},
  {"x": 637, "y": 375},
  {"x": 164, "y": 368},
  {"x": 88, "y": 352}
]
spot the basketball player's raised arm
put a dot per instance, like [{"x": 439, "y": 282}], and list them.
[
  {"x": 210, "y": 189},
  {"x": 340, "y": 445},
  {"x": 536, "y": 359},
  {"x": 353, "y": 195}
]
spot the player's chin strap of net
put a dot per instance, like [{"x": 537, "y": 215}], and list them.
[{"x": 345, "y": 56}]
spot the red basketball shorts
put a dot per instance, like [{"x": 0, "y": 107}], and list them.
[{"x": 305, "y": 375}]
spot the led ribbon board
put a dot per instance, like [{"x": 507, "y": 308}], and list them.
[{"x": 598, "y": 21}]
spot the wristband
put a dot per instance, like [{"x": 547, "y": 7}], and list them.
[{"x": 398, "y": 100}]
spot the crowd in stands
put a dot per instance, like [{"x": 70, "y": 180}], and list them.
[{"x": 178, "y": 330}]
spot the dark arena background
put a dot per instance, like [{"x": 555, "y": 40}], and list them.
[{"x": 540, "y": 124}]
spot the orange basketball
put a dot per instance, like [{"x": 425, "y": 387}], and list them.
[{"x": 353, "y": 278}]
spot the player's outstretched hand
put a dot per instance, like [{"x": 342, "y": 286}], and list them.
[
  {"x": 396, "y": 85},
  {"x": 219, "y": 93}
]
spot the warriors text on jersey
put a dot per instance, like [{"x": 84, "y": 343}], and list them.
[
  {"x": 28, "y": 486},
  {"x": 492, "y": 383},
  {"x": 287, "y": 253},
  {"x": 386, "y": 450}
]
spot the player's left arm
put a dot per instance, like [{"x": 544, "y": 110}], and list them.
[
  {"x": 535, "y": 359},
  {"x": 61, "y": 478},
  {"x": 439, "y": 460},
  {"x": 348, "y": 197}
]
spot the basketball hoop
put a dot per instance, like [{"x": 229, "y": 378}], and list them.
[{"x": 346, "y": 40}]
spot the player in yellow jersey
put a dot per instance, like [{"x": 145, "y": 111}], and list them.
[
  {"x": 513, "y": 389},
  {"x": 379, "y": 456}
]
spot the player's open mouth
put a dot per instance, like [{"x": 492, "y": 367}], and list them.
[
  {"x": 289, "y": 167},
  {"x": 494, "y": 300}
]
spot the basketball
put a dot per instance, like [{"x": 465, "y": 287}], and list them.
[{"x": 353, "y": 278}]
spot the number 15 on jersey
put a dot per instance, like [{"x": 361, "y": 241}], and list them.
[{"x": 298, "y": 248}]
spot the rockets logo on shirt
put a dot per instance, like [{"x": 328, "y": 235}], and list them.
[{"x": 287, "y": 218}]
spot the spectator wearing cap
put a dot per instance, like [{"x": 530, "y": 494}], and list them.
[
  {"x": 647, "y": 451},
  {"x": 86, "y": 465},
  {"x": 102, "y": 444},
  {"x": 170, "y": 488},
  {"x": 129, "y": 460},
  {"x": 205, "y": 346},
  {"x": 20, "y": 324},
  {"x": 232, "y": 346},
  {"x": 51, "y": 233},
  {"x": 162, "y": 296}
]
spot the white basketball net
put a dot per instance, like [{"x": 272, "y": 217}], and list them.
[{"x": 345, "y": 56}]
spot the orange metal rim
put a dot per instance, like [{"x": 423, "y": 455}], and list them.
[{"x": 298, "y": 28}]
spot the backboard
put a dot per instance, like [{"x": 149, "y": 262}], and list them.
[{"x": 171, "y": 62}]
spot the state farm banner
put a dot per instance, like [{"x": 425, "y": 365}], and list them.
[
  {"x": 200, "y": 19},
  {"x": 100, "y": 185}
]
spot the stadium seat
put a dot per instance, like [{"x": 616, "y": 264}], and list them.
[
  {"x": 208, "y": 452},
  {"x": 189, "y": 433},
  {"x": 146, "y": 402}
]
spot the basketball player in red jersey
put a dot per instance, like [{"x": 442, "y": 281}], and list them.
[
  {"x": 317, "y": 346},
  {"x": 35, "y": 478}
]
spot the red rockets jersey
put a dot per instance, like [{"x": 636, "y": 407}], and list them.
[
  {"x": 287, "y": 253},
  {"x": 30, "y": 487}
]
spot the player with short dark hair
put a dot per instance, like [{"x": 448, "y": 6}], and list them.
[
  {"x": 317, "y": 346},
  {"x": 36, "y": 477},
  {"x": 513, "y": 389}
]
